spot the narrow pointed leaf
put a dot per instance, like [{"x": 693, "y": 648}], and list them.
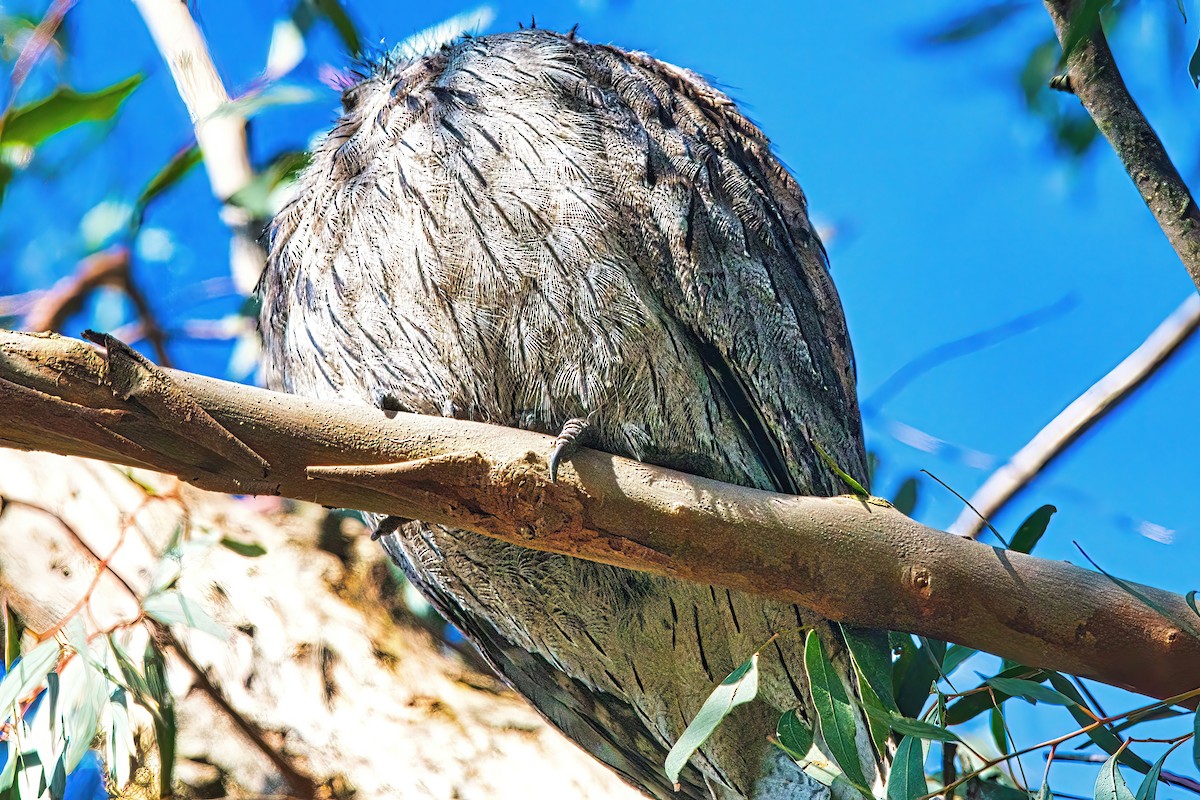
[
  {"x": 906, "y": 780},
  {"x": 836, "y": 712},
  {"x": 873, "y": 656},
  {"x": 1196, "y": 739},
  {"x": 794, "y": 735},
  {"x": 740, "y": 687},
  {"x": 1108, "y": 741},
  {"x": 247, "y": 549},
  {"x": 27, "y": 675},
  {"x": 914, "y": 728},
  {"x": 1149, "y": 787},
  {"x": 172, "y": 172},
  {"x": 1028, "y": 690},
  {"x": 172, "y": 608},
  {"x": 905, "y": 498},
  {"x": 32, "y": 124}
]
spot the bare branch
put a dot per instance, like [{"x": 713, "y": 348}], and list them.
[
  {"x": 1092, "y": 75},
  {"x": 1076, "y": 419},
  {"x": 109, "y": 267},
  {"x": 220, "y": 129},
  {"x": 61, "y": 395}
]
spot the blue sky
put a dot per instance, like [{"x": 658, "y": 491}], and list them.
[{"x": 951, "y": 209}]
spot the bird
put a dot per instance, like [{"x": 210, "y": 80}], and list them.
[{"x": 526, "y": 228}]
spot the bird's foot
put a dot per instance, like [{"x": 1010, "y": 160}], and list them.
[{"x": 567, "y": 441}]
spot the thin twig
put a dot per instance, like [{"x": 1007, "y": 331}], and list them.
[
  {"x": 32, "y": 52},
  {"x": 1093, "y": 77},
  {"x": 304, "y": 785},
  {"x": 220, "y": 128},
  {"x": 109, "y": 267},
  {"x": 1077, "y": 418}
]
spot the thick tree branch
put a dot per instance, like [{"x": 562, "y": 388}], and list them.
[
  {"x": 1077, "y": 418},
  {"x": 846, "y": 559},
  {"x": 1094, "y": 78}
]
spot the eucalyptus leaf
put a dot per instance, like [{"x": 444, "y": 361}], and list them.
[
  {"x": 1110, "y": 784},
  {"x": 1032, "y": 529},
  {"x": 1196, "y": 739},
  {"x": 1103, "y": 735},
  {"x": 913, "y": 727},
  {"x": 83, "y": 715},
  {"x": 32, "y": 124},
  {"x": 173, "y": 608},
  {"x": 794, "y": 735},
  {"x": 834, "y": 709},
  {"x": 27, "y": 675},
  {"x": 906, "y": 780},
  {"x": 740, "y": 687},
  {"x": 247, "y": 549},
  {"x": 1149, "y": 787},
  {"x": 1028, "y": 690},
  {"x": 906, "y": 496},
  {"x": 171, "y": 173},
  {"x": 1194, "y": 66},
  {"x": 872, "y": 655}
]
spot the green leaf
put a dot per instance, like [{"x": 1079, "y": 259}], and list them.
[
  {"x": 740, "y": 687},
  {"x": 905, "y": 499},
  {"x": 1194, "y": 66},
  {"x": 58, "y": 779},
  {"x": 1036, "y": 72},
  {"x": 83, "y": 717},
  {"x": 1084, "y": 19},
  {"x": 12, "y": 637},
  {"x": 1196, "y": 739},
  {"x": 172, "y": 608},
  {"x": 32, "y": 124},
  {"x": 955, "y": 656},
  {"x": 172, "y": 172},
  {"x": 994, "y": 790},
  {"x": 1190, "y": 597},
  {"x": 1182, "y": 10},
  {"x": 906, "y": 780},
  {"x": 913, "y": 727},
  {"x": 872, "y": 656},
  {"x": 996, "y": 724},
  {"x": 333, "y": 11},
  {"x": 1110, "y": 785},
  {"x": 834, "y": 709},
  {"x": 1149, "y": 786},
  {"x": 1028, "y": 690},
  {"x": 1103, "y": 736},
  {"x": 972, "y": 705},
  {"x": 1031, "y": 530},
  {"x": 970, "y": 26},
  {"x": 919, "y": 676},
  {"x": 794, "y": 735},
  {"x": 164, "y": 721},
  {"x": 247, "y": 549},
  {"x": 854, "y": 486},
  {"x": 255, "y": 196},
  {"x": 134, "y": 680},
  {"x": 27, "y": 675}
]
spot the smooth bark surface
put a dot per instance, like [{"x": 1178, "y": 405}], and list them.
[{"x": 846, "y": 558}]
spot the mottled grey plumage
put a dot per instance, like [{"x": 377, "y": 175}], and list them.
[{"x": 525, "y": 228}]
